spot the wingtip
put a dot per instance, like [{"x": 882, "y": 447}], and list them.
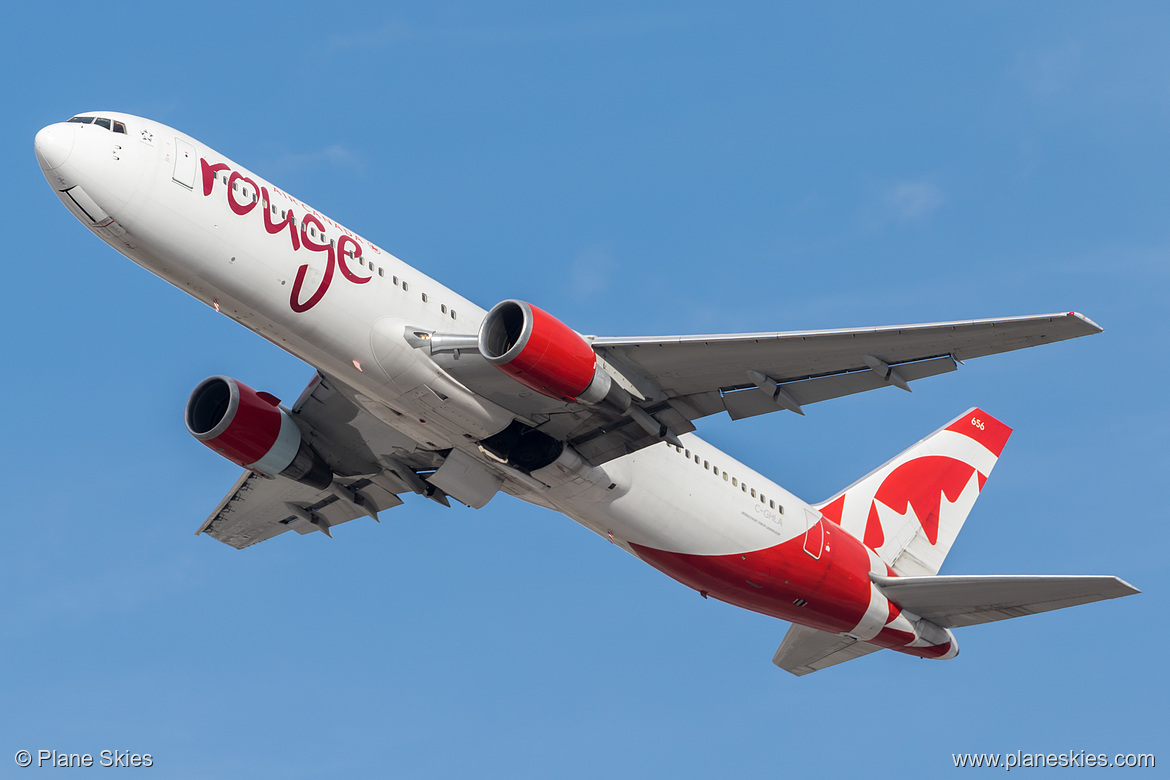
[
  {"x": 1094, "y": 326},
  {"x": 1132, "y": 590}
]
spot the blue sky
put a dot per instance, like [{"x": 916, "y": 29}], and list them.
[{"x": 637, "y": 169}]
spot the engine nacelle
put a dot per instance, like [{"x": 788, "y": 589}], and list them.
[
  {"x": 543, "y": 353},
  {"x": 251, "y": 430}
]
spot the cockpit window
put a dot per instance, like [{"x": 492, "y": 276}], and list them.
[{"x": 101, "y": 121}]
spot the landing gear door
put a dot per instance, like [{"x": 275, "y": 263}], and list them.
[{"x": 814, "y": 535}]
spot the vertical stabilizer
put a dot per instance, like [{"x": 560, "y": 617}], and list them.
[{"x": 911, "y": 509}]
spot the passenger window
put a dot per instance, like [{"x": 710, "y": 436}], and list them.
[
  {"x": 707, "y": 465},
  {"x": 772, "y": 504},
  {"x": 405, "y": 286},
  {"x": 424, "y": 297},
  {"x": 443, "y": 308},
  {"x": 725, "y": 476},
  {"x": 687, "y": 453},
  {"x": 734, "y": 482},
  {"x": 452, "y": 314},
  {"x": 753, "y": 492},
  {"x": 380, "y": 272}
]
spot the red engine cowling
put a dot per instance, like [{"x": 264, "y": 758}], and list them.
[
  {"x": 541, "y": 352},
  {"x": 252, "y": 430}
]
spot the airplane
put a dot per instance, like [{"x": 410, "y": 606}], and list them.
[{"x": 420, "y": 391}]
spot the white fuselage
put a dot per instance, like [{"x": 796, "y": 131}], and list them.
[{"x": 342, "y": 304}]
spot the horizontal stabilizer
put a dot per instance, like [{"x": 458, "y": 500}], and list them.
[
  {"x": 805, "y": 650},
  {"x": 957, "y": 601}
]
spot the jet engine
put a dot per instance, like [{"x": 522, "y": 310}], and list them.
[
  {"x": 252, "y": 430},
  {"x": 543, "y": 353}
]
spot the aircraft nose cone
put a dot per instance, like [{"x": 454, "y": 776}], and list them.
[{"x": 53, "y": 145}]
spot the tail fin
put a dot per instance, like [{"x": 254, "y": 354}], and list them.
[{"x": 911, "y": 509}]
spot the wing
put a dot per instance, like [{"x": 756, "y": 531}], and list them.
[
  {"x": 678, "y": 379},
  {"x": 258, "y": 508},
  {"x": 806, "y": 650},
  {"x": 372, "y": 462},
  {"x": 957, "y": 601},
  {"x": 816, "y": 365}
]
